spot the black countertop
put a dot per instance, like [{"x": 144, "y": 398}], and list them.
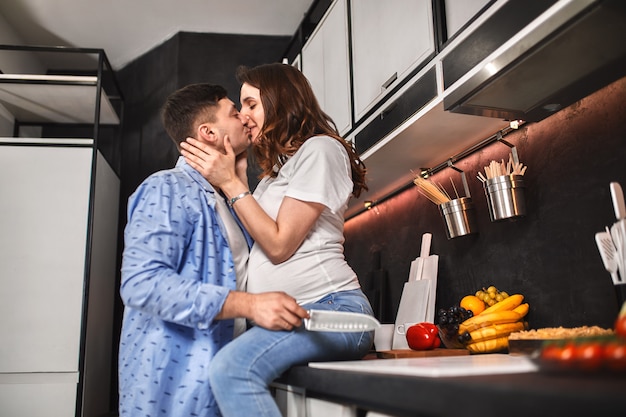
[{"x": 524, "y": 394}]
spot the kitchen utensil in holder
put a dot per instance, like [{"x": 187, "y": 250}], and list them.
[
  {"x": 505, "y": 193},
  {"x": 458, "y": 214},
  {"x": 505, "y": 197}
]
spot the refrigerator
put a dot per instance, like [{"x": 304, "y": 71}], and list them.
[{"x": 59, "y": 204}]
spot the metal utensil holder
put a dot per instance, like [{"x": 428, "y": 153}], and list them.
[
  {"x": 458, "y": 214},
  {"x": 505, "y": 193}
]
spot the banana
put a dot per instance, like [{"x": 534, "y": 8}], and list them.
[
  {"x": 509, "y": 303},
  {"x": 483, "y": 320},
  {"x": 522, "y": 309},
  {"x": 495, "y": 331},
  {"x": 487, "y": 346}
]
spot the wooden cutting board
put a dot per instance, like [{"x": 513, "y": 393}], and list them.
[{"x": 409, "y": 353}]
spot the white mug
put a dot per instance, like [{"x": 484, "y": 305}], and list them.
[
  {"x": 383, "y": 337},
  {"x": 403, "y": 328}
]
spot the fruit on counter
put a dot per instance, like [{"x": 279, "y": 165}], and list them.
[
  {"x": 473, "y": 303},
  {"x": 604, "y": 353},
  {"x": 489, "y": 346},
  {"x": 589, "y": 355},
  {"x": 423, "y": 336},
  {"x": 615, "y": 356},
  {"x": 489, "y": 331},
  {"x": 491, "y": 295},
  {"x": 489, "y": 319},
  {"x": 495, "y": 331},
  {"x": 522, "y": 309},
  {"x": 449, "y": 321},
  {"x": 483, "y": 299},
  {"x": 460, "y": 326},
  {"x": 620, "y": 322},
  {"x": 508, "y": 303},
  {"x": 563, "y": 354},
  {"x": 450, "y": 318}
]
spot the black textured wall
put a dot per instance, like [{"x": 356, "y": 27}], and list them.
[
  {"x": 550, "y": 255},
  {"x": 184, "y": 59}
]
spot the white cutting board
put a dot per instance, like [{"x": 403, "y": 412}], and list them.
[
  {"x": 412, "y": 309},
  {"x": 431, "y": 265},
  {"x": 438, "y": 366}
]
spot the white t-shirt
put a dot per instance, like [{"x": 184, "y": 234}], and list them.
[{"x": 318, "y": 172}]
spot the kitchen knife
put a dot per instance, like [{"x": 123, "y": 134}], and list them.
[
  {"x": 339, "y": 321},
  {"x": 617, "y": 195}
]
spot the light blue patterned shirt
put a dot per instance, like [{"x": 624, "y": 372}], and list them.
[{"x": 177, "y": 270}]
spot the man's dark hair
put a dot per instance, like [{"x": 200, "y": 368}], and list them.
[{"x": 189, "y": 106}]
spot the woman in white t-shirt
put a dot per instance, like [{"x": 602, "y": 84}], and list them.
[{"x": 296, "y": 218}]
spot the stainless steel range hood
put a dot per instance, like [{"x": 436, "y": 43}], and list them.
[{"x": 571, "y": 50}]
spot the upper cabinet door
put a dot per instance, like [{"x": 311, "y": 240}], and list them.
[
  {"x": 459, "y": 13},
  {"x": 389, "y": 39},
  {"x": 325, "y": 62}
]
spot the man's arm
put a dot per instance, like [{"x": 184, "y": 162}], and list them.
[{"x": 271, "y": 310}]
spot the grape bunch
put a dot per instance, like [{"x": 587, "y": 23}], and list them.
[
  {"x": 448, "y": 321},
  {"x": 491, "y": 295}
]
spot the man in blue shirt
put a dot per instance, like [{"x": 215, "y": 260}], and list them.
[{"x": 184, "y": 269}]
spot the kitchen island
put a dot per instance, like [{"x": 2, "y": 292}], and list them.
[{"x": 519, "y": 394}]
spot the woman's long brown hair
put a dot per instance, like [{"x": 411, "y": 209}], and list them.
[{"x": 292, "y": 116}]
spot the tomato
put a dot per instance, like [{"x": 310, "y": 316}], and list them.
[
  {"x": 558, "y": 355},
  {"x": 551, "y": 353},
  {"x": 567, "y": 354},
  {"x": 615, "y": 356},
  {"x": 423, "y": 336},
  {"x": 589, "y": 356}
]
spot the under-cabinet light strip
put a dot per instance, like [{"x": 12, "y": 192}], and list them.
[
  {"x": 467, "y": 152},
  {"x": 445, "y": 164},
  {"x": 78, "y": 79}
]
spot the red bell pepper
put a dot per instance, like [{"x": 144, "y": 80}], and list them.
[{"x": 423, "y": 336}]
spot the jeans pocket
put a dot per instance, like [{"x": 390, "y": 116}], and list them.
[{"x": 353, "y": 301}]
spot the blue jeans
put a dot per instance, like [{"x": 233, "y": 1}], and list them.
[{"x": 240, "y": 373}]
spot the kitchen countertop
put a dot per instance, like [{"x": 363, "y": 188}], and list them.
[{"x": 519, "y": 394}]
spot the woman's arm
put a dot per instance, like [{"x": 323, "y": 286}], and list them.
[{"x": 278, "y": 239}]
